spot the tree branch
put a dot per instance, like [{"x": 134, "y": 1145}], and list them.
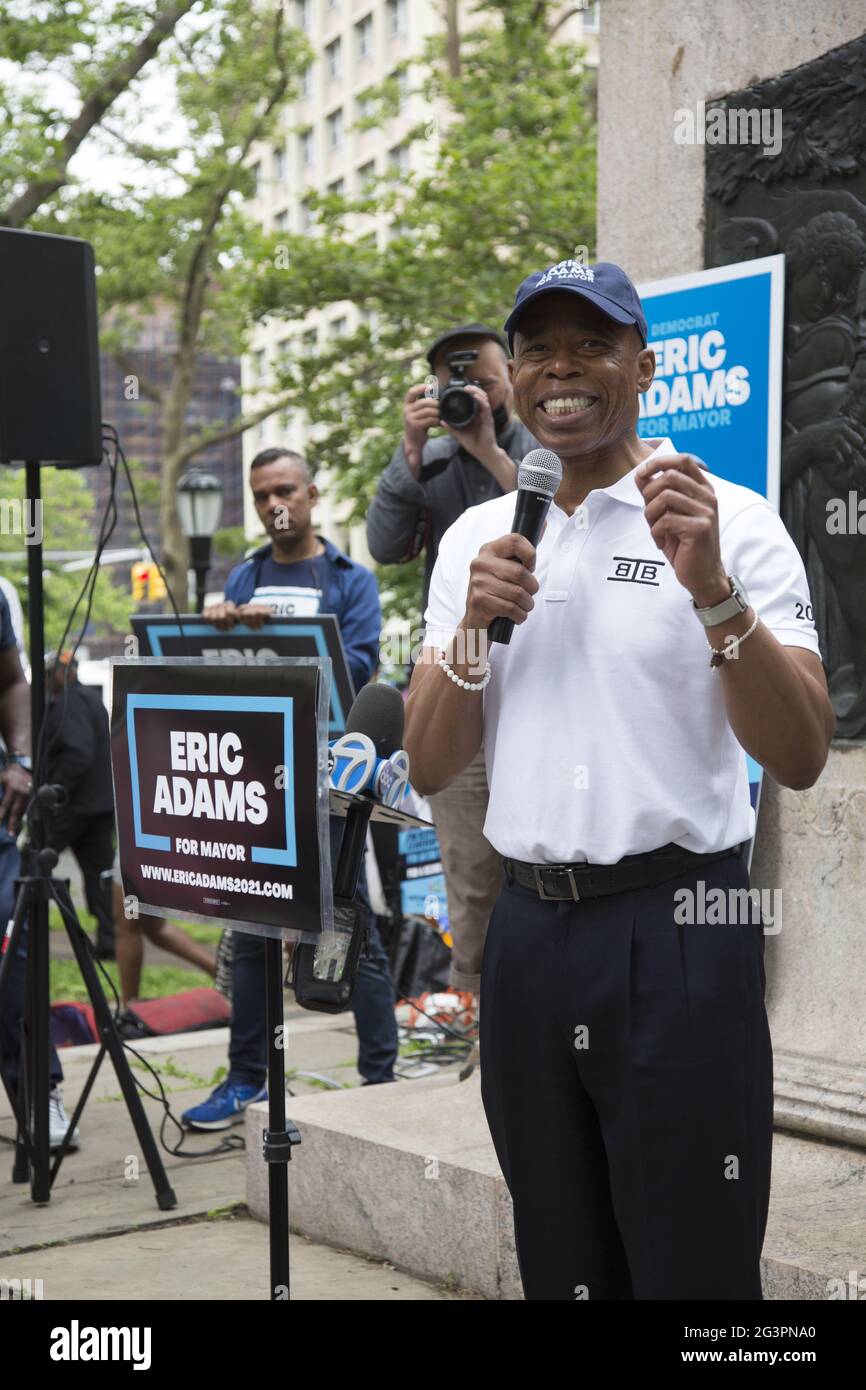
[
  {"x": 196, "y": 279},
  {"x": 92, "y": 111},
  {"x": 208, "y": 438},
  {"x": 563, "y": 19},
  {"x": 145, "y": 385}
]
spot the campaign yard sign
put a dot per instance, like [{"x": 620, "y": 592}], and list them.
[
  {"x": 221, "y": 792},
  {"x": 310, "y": 636},
  {"x": 717, "y": 392}
]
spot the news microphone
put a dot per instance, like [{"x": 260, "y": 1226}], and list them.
[
  {"x": 323, "y": 975},
  {"x": 538, "y": 479},
  {"x": 363, "y": 758},
  {"x": 351, "y": 762}
]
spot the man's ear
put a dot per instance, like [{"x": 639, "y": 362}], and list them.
[
  {"x": 313, "y": 494},
  {"x": 646, "y": 369},
  {"x": 510, "y": 365}
]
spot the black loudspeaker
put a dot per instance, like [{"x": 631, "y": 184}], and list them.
[{"x": 50, "y": 409}]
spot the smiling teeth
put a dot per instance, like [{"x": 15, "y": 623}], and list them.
[{"x": 565, "y": 405}]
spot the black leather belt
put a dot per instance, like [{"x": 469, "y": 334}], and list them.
[{"x": 564, "y": 882}]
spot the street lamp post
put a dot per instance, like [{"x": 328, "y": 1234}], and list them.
[{"x": 199, "y": 507}]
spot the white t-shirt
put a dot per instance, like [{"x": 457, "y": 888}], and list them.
[{"x": 605, "y": 730}]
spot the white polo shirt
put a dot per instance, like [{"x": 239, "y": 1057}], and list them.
[{"x": 605, "y": 730}]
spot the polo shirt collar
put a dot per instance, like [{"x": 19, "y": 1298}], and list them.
[{"x": 625, "y": 489}]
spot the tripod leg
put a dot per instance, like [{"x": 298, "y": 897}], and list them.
[
  {"x": 38, "y": 1027},
  {"x": 77, "y": 1113},
  {"x": 165, "y": 1197}
]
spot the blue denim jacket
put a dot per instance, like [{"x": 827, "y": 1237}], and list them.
[{"x": 351, "y": 594}]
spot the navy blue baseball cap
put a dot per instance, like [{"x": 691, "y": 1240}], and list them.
[{"x": 605, "y": 285}]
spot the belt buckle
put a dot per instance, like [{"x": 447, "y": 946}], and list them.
[{"x": 549, "y": 897}]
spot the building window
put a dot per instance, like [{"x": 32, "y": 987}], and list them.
[
  {"x": 257, "y": 180},
  {"x": 367, "y": 177},
  {"x": 398, "y": 161},
  {"x": 309, "y": 344},
  {"x": 334, "y": 5},
  {"x": 365, "y": 107},
  {"x": 338, "y": 187},
  {"x": 307, "y": 82},
  {"x": 397, "y": 18},
  {"x": 258, "y": 361},
  {"x": 335, "y": 130},
  {"x": 339, "y": 328},
  {"x": 281, "y": 221},
  {"x": 334, "y": 60},
  {"x": 364, "y": 37},
  {"x": 307, "y": 148},
  {"x": 308, "y": 217},
  {"x": 279, "y": 163},
  {"x": 402, "y": 78},
  {"x": 305, "y": 15},
  {"x": 590, "y": 19}
]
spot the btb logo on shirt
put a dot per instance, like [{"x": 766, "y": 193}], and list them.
[{"x": 629, "y": 571}]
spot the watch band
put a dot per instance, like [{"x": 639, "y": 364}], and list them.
[
  {"x": 730, "y": 607},
  {"x": 22, "y": 759}
]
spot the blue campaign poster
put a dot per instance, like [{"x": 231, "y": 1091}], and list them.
[
  {"x": 717, "y": 393},
  {"x": 422, "y": 890}
]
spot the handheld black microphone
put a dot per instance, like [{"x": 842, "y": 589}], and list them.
[{"x": 538, "y": 479}]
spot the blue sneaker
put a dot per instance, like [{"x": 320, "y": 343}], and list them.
[{"x": 224, "y": 1106}]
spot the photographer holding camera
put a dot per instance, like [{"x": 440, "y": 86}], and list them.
[{"x": 427, "y": 485}]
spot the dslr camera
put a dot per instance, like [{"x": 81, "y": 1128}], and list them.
[{"x": 457, "y": 406}]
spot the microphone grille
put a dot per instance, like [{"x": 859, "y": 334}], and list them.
[
  {"x": 540, "y": 471},
  {"x": 378, "y": 712}
]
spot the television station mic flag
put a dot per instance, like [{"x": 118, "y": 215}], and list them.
[
  {"x": 221, "y": 791},
  {"x": 318, "y": 634}
]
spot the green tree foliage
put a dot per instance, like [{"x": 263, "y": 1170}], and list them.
[
  {"x": 65, "y": 523},
  {"x": 71, "y": 61},
  {"x": 173, "y": 234},
  {"x": 506, "y": 184}
]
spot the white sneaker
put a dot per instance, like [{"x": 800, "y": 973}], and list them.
[{"x": 58, "y": 1122}]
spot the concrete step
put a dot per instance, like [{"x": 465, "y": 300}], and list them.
[{"x": 407, "y": 1173}]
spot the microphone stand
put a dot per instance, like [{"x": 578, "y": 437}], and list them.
[{"x": 281, "y": 1135}]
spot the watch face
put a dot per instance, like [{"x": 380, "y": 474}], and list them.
[{"x": 739, "y": 589}]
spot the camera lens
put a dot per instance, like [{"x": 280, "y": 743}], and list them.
[{"x": 457, "y": 407}]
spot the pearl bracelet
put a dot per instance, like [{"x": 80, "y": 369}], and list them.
[
  {"x": 458, "y": 680},
  {"x": 720, "y": 656}
]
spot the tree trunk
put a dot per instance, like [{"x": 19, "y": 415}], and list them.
[
  {"x": 174, "y": 555},
  {"x": 452, "y": 29}
]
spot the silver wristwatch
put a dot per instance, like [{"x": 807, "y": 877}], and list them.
[{"x": 728, "y": 608}]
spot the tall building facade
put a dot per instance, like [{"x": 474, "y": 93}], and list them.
[
  {"x": 215, "y": 400},
  {"x": 317, "y": 148}
]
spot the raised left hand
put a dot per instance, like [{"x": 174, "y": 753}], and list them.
[{"x": 682, "y": 514}]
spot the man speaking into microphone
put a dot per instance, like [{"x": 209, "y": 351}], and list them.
[{"x": 659, "y": 631}]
